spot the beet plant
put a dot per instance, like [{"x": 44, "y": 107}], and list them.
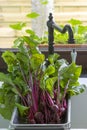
[{"x": 37, "y": 85}]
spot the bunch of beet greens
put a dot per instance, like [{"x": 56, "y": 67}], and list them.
[{"x": 41, "y": 88}]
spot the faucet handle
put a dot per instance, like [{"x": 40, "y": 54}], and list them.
[
  {"x": 50, "y": 17},
  {"x": 73, "y": 55}
]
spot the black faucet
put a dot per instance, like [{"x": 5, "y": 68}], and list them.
[{"x": 51, "y": 26}]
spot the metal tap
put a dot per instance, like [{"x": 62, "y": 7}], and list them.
[{"x": 51, "y": 26}]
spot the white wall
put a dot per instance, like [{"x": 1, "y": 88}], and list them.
[
  {"x": 3, "y": 123},
  {"x": 79, "y": 111}
]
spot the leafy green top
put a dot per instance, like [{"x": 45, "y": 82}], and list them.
[{"x": 27, "y": 69}]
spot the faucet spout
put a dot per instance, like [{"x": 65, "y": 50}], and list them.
[{"x": 67, "y": 28}]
